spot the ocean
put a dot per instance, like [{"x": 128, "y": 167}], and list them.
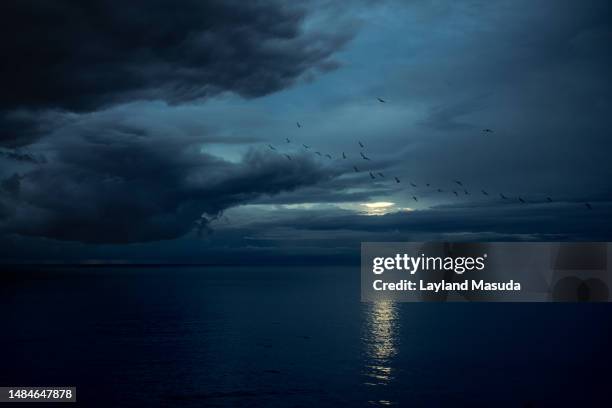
[{"x": 289, "y": 337}]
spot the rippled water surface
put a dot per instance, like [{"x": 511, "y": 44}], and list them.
[{"x": 226, "y": 336}]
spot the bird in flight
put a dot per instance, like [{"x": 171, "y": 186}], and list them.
[
  {"x": 360, "y": 144},
  {"x": 356, "y": 169},
  {"x": 466, "y": 192},
  {"x": 372, "y": 176},
  {"x": 427, "y": 184},
  {"x": 396, "y": 179},
  {"x": 440, "y": 190},
  {"x": 458, "y": 182},
  {"x": 588, "y": 206},
  {"x": 455, "y": 193},
  {"x": 343, "y": 155},
  {"x": 484, "y": 192},
  {"x": 487, "y": 130},
  {"x": 381, "y": 100},
  {"x": 503, "y": 196},
  {"x": 549, "y": 199},
  {"x": 287, "y": 139},
  {"x": 413, "y": 185},
  {"x": 319, "y": 153},
  {"x": 271, "y": 147},
  {"x": 521, "y": 200},
  {"x": 306, "y": 147},
  {"x": 363, "y": 156},
  {"x": 381, "y": 175},
  {"x": 328, "y": 156},
  {"x": 288, "y": 157},
  {"x": 415, "y": 199},
  {"x": 298, "y": 124}
]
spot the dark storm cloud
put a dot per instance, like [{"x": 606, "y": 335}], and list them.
[
  {"x": 117, "y": 186},
  {"x": 81, "y": 56}
]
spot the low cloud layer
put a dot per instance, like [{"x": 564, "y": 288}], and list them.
[{"x": 118, "y": 185}]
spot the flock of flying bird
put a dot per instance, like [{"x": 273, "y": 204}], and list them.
[{"x": 458, "y": 190}]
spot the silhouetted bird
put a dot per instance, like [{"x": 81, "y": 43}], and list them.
[
  {"x": 363, "y": 156},
  {"x": 487, "y": 130},
  {"x": 319, "y": 153},
  {"x": 381, "y": 175},
  {"x": 298, "y": 124},
  {"x": 396, "y": 179},
  {"x": 328, "y": 156},
  {"x": 306, "y": 147},
  {"x": 549, "y": 199},
  {"x": 360, "y": 144},
  {"x": 415, "y": 199},
  {"x": 588, "y": 206},
  {"x": 458, "y": 182},
  {"x": 288, "y": 141},
  {"x": 356, "y": 169},
  {"x": 371, "y": 175},
  {"x": 271, "y": 147},
  {"x": 413, "y": 185},
  {"x": 288, "y": 157},
  {"x": 343, "y": 155},
  {"x": 466, "y": 192},
  {"x": 440, "y": 190},
  {"x": 427, "y": 184},
  {"x": 381, "y": 100},
  {"x": 521, "y": 200},
  {"x": 457, "y": 194},
  {"x": 503, "y": 196},
  {"x": 484, "y": 192}
]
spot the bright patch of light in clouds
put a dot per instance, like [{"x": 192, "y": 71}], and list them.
[
  {"x": 380, "y": 208},
  {"x": 378, "y": 205}
]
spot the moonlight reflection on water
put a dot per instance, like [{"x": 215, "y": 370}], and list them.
[{"x": 381, "y": 342}]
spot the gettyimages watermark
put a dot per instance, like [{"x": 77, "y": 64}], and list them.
[{"x": 486, "y": 272}]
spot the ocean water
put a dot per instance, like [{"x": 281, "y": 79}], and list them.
[{"x": 289, "y": 337}]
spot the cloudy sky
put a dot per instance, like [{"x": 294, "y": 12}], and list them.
[{"x": 140, "y": 133}]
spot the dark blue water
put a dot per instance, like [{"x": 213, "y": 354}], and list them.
[{"x": 281, "y": 337}]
